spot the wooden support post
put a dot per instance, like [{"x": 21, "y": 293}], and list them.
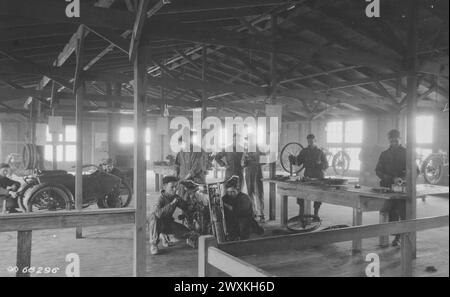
[
  {"x": 408, "y": 244},
  {"x": 274, "y": 84},
  {"x": 204, "y": 95},
  {"x": 54, "y": 151},
  {"x": 115, "y": 119},
  {"x": 204, "y": 268},
  {"x": 140, "y": 165},
  {"x": 384, "y": 240},
  {"x": 54, "y": 135},
  {"x": 157, "y": 182},
  {"x": 23, "y": 262},
  {"x": 80, "y": 93},
  {"x": 33, "y": 120},
  {"x": 110, "y": 123},
  {"x": 284, "y": 210},
  {"x": 357, "y": 221}
]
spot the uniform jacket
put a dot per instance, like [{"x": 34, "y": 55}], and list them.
[
  {"x": 314, "y": 160},
  {"x": 231, "y": 161},
  {"x": 193, "y": 164},
  {"x": 164, "y": 208},
  {"x": 391, "y": 164}
]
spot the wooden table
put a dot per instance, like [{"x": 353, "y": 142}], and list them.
[
  {"x": 161, "y": 171},
  {"x": 360, "y": 200}
]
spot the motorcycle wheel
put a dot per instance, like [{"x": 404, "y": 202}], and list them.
[
  {"x": 110, "y": 201},
  {"x": 50, "y": 197},
  {"x": 433, "y": 169},
  {"x": 341, "y": 163},
  {"x": 126, "y": 194}
]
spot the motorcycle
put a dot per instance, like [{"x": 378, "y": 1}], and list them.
[
  {"x": 55, "y": 190},
  {"x": 205, "y": 213}
]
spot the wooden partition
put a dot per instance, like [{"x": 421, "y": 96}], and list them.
[
  {"x": 210, "y": 260},
  {"x": 25, "y": 224}
]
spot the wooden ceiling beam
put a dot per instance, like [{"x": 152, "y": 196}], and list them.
[{"x": 241, "y": 40}]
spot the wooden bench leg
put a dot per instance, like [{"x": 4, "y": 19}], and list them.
[
  {"x": 384, "y": 218},
  {"x": 23, "y": 253},
  {"x": 272, "y": 201},
  {"x": 284, "y": 210},
  {"x": 204, "y": 268},
  {"x": 157, "y": 185},
  {"x": 357, "y": 221},
  {"x": 308, "y": 207}
]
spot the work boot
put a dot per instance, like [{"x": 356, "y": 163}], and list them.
[
  {"x": 396, "y": 241},
  {"x": 154, "y": 249},
  {"x": 166, "y": 242},
  {"x": 262, "y": 219}
]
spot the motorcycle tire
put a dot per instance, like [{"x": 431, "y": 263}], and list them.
[
  {"x": 339, "y": 168},
  {"x": 60, "y": 192},
  {"x": 125, "y": 188},
  {"x": 435, "y": 163},
  {"x": 110, "y": 201}
]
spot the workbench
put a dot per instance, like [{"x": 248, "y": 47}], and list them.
[{"x": 361, "y": 200}]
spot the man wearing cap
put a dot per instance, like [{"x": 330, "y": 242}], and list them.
[
  {"x": 161, "y": 221},
  {"x": 390, "y": 169},
  {"x": 231, "y": 160},
  {"x": 315, "y": 162},
  {"x": 8, "y": 187},
  {"x": 238, "y": 212}
]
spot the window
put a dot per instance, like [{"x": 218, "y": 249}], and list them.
[
  {"x": 346, "y": 136},
  {"x": 148, "y": 139},
  {"x": 126, "y": 136},
  {"x": 355, "y": 163},
  {"x": 354, "y": 131},
  {"x": 65, "y": 145},
  {"x": 424, "y": 129},
  {"x": 334, "y": 132}
]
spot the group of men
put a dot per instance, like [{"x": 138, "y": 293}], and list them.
[{"x": 240, "y": 209}]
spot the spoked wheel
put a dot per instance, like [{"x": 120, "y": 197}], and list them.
[
  {"x": 341, "y": 163},
  {"x": 304, "y": 223},
  {"x": 47, "y": 197},
  {"x": 111, "y": 200},
  {"x": 125, "y": 193},
  {"x": 433, "y": 168},
  {"x": 291, "y": 149},
  {"x": 329, "y": 157}
]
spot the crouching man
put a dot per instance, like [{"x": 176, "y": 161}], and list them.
[
  {"x": 161, "y": 221},
  {"x": 8, "y": 189},
  {"x": 238, "y": 210}
]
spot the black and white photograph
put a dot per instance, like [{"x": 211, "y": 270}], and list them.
[{"x": 224, "y": 147}]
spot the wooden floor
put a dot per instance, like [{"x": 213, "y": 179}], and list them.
[{"x": 107, "y": 251}]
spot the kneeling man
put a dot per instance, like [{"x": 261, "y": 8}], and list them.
[
  {"x": 161, "y": 221},
  {"x": 239, "y": 212}
]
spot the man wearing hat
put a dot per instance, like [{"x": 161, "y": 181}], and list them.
[
  {"x": 238, "y": 212},
  {"x": 8, "y": 188},
  {"x": 161, "y": 221},
  {"x": 390, "y": 169},
  {"x": 315, "y": 162}
]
